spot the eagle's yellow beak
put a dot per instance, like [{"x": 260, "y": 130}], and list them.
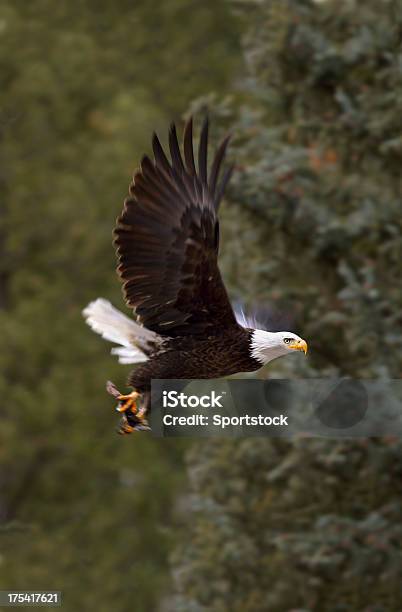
[{"x": 299, "y": 345}]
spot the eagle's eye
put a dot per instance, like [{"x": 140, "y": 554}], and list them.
[{"x": 288, "y": 340}]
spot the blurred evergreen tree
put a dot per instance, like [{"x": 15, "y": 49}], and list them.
[
  {"x": 83, "y": 86},
  {"x": 314, "y": 224}
]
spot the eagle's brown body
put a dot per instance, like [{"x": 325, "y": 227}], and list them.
[
  {"x": 214, "y": 356},
  {"x": 167, "y": 243}
]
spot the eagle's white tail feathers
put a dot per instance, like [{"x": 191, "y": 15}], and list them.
[
  {"x": 115, "y": 326},
  {"x": 128, "y": 355}
]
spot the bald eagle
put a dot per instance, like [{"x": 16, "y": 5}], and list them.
[{"x": 167, "y": 242}]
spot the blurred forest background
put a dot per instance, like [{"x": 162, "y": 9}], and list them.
[{"x": 313, "y": 94}]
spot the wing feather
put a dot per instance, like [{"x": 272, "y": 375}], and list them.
[
  {"x": 188, "y": 148},
  {"x": 219, "y": 156},
  {"x": 167, "y": 239},
  {"x": 203, "y": 152}
]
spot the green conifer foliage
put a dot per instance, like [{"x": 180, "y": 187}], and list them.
[
  {"x": 83, "y": 85},
  {"x": 312, "y": 224}
]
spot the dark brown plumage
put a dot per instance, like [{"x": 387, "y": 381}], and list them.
[
  {"x": 167, "y": 242},
  {"x": 221, "y": 354}
]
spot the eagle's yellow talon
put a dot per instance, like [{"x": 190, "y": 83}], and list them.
[{"x": 128, "y": 402}]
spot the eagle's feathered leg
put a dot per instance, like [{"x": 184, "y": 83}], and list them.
[{"x": 133, "y": 414}]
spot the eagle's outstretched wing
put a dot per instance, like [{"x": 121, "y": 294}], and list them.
[{"x": 167, "y": 240}]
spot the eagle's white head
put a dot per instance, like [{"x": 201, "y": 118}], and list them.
[{"x": 266, "y": 346}]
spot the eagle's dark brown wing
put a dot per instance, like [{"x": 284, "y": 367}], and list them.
[{"x": 167, "y": 240}]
